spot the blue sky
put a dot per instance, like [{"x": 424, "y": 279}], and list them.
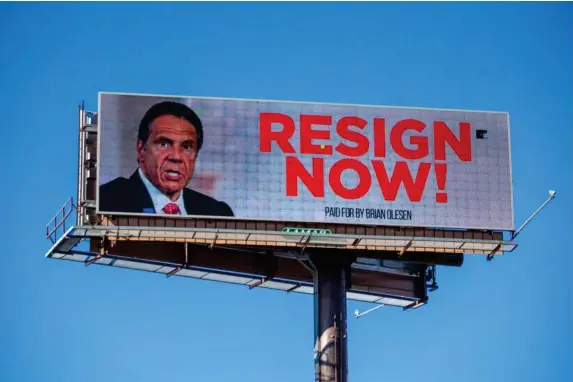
[{"x": 506, "y": 320}]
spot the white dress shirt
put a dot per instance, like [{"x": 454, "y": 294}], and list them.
[{"x": 159, "y": 199}]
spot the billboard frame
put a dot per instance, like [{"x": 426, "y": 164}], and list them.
[{"x": 287, "y": 222}]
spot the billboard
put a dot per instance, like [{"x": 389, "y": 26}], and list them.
[{"x": 303, "y": 162}]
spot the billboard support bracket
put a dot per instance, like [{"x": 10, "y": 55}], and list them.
[
  {"x": 306, "y": 243},
  {"x": 214, "y": 240},
  {"x": 296, "y": 286},
  {"x": 103, "y": 251},
  {"x": 260, "y": 281},
  {"x": 270, "y": 269},
  {"x": 406, "y": 247},
  {"x": 186, "y": 254},
  {"x": 183, "y": 266},
  {"x": 552, "y": 194},
  {"x": 415, "y": 305},
  {"x": 308, "y": 268}
]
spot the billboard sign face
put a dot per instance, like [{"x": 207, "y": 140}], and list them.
[{"x": 303, "y": 162}]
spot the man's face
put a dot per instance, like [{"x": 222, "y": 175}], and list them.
[{"x": 168, "y": 156}]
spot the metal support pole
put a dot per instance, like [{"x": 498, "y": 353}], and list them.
[{"x": 330, "y": 285}]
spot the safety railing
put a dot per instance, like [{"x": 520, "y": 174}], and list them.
[{"x": 59, "y": 220}]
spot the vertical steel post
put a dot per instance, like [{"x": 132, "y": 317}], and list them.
[
  {"x": 81, "y": 159},
  {"x": 330, "y": 286}
]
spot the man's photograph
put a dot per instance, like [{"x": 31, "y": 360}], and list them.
[{"x": 169, "y": 141}]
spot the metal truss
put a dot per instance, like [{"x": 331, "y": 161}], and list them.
[
  {"x": 263, "y": 238},
  {"x": 66, "y": 247}
]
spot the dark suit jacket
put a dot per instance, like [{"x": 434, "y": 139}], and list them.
[{"x": 130, "y": 195}]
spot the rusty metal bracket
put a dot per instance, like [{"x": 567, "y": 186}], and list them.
[
  {"x": 298, "y": 285},
  {"x": 416, "y": 304},
  {"x": 104, "y": 246},
  {"x": 182, "y": 266},
  {"x": 305, "y": 243},
  {"x": 259, "y": 282},
  {"x": 270, "y": 266},
  {"x": 492, "y": 253},
  {"x": 214, "y": 240},
  {"x": 406, "y": 247}
]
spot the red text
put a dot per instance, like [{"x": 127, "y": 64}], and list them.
[{"x": 409, "y": 139}]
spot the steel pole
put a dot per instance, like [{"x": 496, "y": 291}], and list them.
[{"x": 331, "y": 278}]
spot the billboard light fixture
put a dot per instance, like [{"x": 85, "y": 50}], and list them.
[{"x": 357, "y": 313}]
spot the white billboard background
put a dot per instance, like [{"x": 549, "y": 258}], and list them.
[{"x": 253, "y": 182}]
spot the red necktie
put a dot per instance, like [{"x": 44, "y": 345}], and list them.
[{"x": 171, "y": 209}]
